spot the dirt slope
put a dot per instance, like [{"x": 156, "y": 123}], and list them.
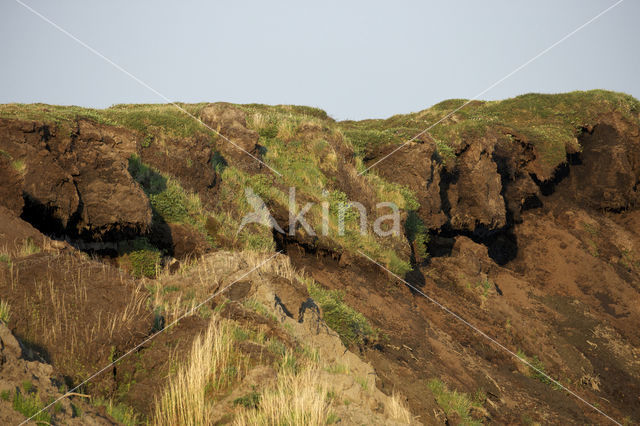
[{"x": 519, "y": 216}]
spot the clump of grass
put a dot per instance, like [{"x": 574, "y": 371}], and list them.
[
  {"x": 397, "y": 409},
  {"x": 5, "y": 312},
  {"x": 19, "y": 166},
  {"x": 538, "y": 372},
  {"x": 30, "y": 405},
  {"x": 143, "y": 258},
  {"x": 362, "y": 381},
  {"x": 296, "y": 399},
  {"x": 485, "y": 285},
  {"x": 255, "y": 305},
  {"x": 168, "y": 199},
  {"x": 175, "y": 205},
  {"x": 29, "y": 247},
  {"x": 337, "y": 369},
  {"x": 454, "y": 402},
  {"x": 248, "y": 401},
  {"x": 121, "y": 413},
  {"x": 5, "y": 258},
  {"x": 417, "y": 233},
  {"x": 213, "y": 364},
  {"x": 445, "y": 150},
  {"x": 151, "y": 180},
  {"x": 352, "y": 327}
]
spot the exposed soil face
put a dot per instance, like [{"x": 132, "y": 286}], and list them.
[
  {"x": 605, "y": 174},
  {"x": 236, "y": 142},
  {"x": 542, "y": 255},
  {"x": 74, "y": 182},
  {"x": 97, "y": 311}
]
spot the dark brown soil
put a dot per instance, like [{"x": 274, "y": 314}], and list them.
[{"x": 546, "y": 262}]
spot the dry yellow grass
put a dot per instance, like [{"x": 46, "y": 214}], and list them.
[
  {"x": 186, "y": 399},
  {"x": 286, "y": 130},
  {"x": 296, "y": 399},
  {"x": 397, "y": 409},
  {"x": 71, "y": 300},
  {"x": 258, "y": 121}
]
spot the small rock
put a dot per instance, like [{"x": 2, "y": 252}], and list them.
[{"x": 8, "y": 343}]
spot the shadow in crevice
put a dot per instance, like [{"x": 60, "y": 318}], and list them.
[
  {"x": 548, "y": 187},
  {"x": 502, "y": 244}
]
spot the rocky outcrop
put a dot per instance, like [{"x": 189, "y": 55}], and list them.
[
  {"x": 237, "y": 141},
  {"x": 74, "y": 180},
  {"x": 494, "y": 178},
  {"x": 11, "y": 189},
  {"x": 121, "y": 140},
  {"x": 179, "y": 240},
  {"x": 474, "y": 194},
  {"x": 25, "y": 379},
  {"x": 606, "y": 174},
  {"x": 416, "y": 166}
]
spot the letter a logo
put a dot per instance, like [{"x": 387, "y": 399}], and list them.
[{"x": 260, "y": 213}]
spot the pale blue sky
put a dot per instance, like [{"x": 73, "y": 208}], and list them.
[{"x": 355, "y": 59}]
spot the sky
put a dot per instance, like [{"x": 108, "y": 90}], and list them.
[{"x": 354, "y": 59}]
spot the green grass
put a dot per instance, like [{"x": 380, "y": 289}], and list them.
[
  {"x": 309, "y": 159},
  {"x": 28, "y": 405},
  {"x": 337, "y": 369},
  {"x": 549, "y": 122},
  {"x": 19, "y": 166},
  {"x": 362, "y": 381},
  {"x": 143, "y": 258},
  {"x": 539, "y": 372},
  {"x": 147, "y": 119},
  {"x": 284, "y": 148},
  {"x": 256, "y": 306},
  {"x": 352, "y": 327},
  {"x": 5, "y": 258},
  {"x": 169, "y": 201},
  {"x": 248, "y": 401},
  {"x": 29, "y": 247},
  {"x": 417, "y": 233},
  {"x": 120, "y": 412},
  {"x": 454, "y": 402},
  {"x": 5, "y": 312}
]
